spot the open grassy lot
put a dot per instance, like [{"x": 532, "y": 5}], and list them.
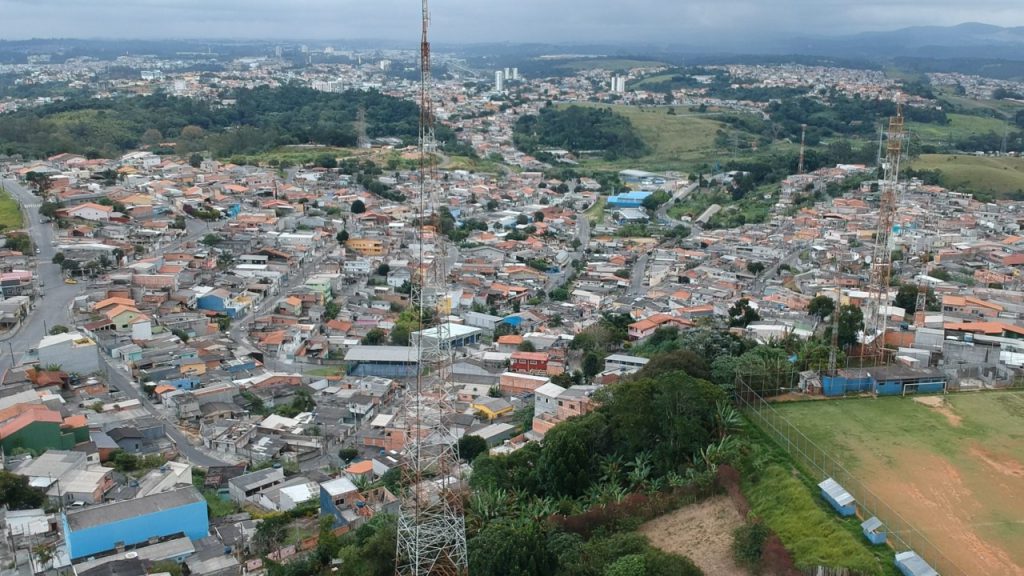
[
  {"x": 1006, "y": 108},
  {"x": 677, "y": 141},
  {"x": 952, "y": 466},
  {"x": 960, "y": 127},
  {"x": 988, "y": 175},
  {"x": 10, "y": 212}
]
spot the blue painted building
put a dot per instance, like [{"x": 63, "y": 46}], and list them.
[
  {"x": 838, "y": 497},
  {"x": 214, "y": 301},
  {"x": 901, "y": 380},
  {"x": 96, "y": 530},
  {"x": 910, "y": 564},
  {"x": 895, "y": 380},
  {"x": 873, "y": 530},
  {"x": 338, "y": 498},
  {"x": 628, "y": 200},
  {"x": 846, "y": 382},
  {"x": 185, "y": 382}
]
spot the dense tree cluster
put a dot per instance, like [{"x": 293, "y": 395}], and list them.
[
  {"x": 260, "y": 119},
  {"x": 579, "y": 128}
]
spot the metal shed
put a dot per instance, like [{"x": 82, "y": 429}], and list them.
[
  {"x": 838, "y": 497},
  {"x": 910, "y": 564},
  {"x": 873, "y": 530}
]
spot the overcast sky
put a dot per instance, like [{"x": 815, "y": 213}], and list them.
[{"x": 599, "y": 21}]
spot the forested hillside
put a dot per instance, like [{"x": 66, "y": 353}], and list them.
[
  {"x": 578, "y": 128},
  {"x": 259, "y": 119}
]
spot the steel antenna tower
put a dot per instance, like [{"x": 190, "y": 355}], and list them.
[
  {"x": 431, "y": 525},
  {"x": 881, "y": 259}
]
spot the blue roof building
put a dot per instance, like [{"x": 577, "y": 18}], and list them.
[
  {"x": 628, "y": 200},
  {"x": 96, "y": 530}
]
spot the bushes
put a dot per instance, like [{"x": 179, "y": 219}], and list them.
[
  {"x": 813, "y": 537},
  {"x": 747, "y": 541}
]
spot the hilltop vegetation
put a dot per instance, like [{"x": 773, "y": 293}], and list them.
[
  {"x": 260, "y": 119},
  {"x": 579, "y": 128},
  {"x": 985, "y": 176}
]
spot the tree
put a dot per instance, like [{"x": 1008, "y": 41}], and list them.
[
  {"x": 471, "y": 446},
  {"x": 906, "y": 297},
  {"x": 211, "y": 239},
  {"x": 742, "y": 313},
  {"x": 151, "y": 137},
  {"x": 851, "y": 322},
  {"x": 522, "y": 220},
  {"x": 59, "y": 329},
  {"x": 591, "y": 364},
  {"x": 41, "y": 182},
  {"x": 342, "y": 237},
  {"x": 348, "y": 453},
  {"x": 511, "y": 547},
  {"x": 58, "y": 258},
  {"x": 527, "y": 346},
  {"x": 400, "y": 335},
  {"x": 49, "y": 209},
  {"x": 821, "y": 306},
  {"x": 383, "y": 269},
  {"x": 16, "y": 494},
  {"x": 326, "y": 161},
  {"x": 358, "y": 207},
  {"x": 755, "y": 267},
  {"x": 375, "y": 337},
  {"x": 538, "y": 216},
  {"x": 195, "y": 160}
]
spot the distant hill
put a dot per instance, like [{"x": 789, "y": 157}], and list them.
[{"x": 968, "y": 40}]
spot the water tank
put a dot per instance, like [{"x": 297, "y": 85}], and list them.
[{"x": 131, "y": 555}]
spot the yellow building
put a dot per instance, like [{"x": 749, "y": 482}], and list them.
[
  {"x": 366, "y": 246},
  {"x": 492, "y": 408}
]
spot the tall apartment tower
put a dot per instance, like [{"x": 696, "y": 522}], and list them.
[
  {"x": 618, "y": 84},
  {"x": 499, "y": 81}
]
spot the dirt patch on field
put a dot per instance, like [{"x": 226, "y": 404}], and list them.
[
  {"x": 939, "y": 404},
  {"x": 935, "y": 498},
  {"x": 702, "y": 532},
  {"x": 1005, "y": 466}
]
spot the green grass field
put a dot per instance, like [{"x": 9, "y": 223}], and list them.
[
  {"x": 961, "y": 126},
  {"x": 954, "y": 468},
  {"x": 677, "y": 142},
  {"x": 1005, "y": 108},
  {"x": 596, "y": 212},
  {"x": 996, "y": 176},
  {"x": 10, "y": 212}
]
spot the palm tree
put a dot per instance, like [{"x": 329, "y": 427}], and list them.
[{"x": 727, "y": 419}]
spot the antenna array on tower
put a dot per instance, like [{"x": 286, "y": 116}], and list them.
[{"x": 431, "y": 532}]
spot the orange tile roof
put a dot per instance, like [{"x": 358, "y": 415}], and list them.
[{"x": 362, "y": 467}]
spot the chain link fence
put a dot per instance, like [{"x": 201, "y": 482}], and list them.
[{"x": 817, "y": 461}]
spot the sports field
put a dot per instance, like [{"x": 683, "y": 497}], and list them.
[{"x": 952, "y": 466}]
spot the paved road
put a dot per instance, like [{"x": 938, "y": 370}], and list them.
[
  {"x": 636, "y": 276},
  {"x": 52, "y": 308},
  {"x": 120, "y": 381},
  {"x": 661, "y": 214}
]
